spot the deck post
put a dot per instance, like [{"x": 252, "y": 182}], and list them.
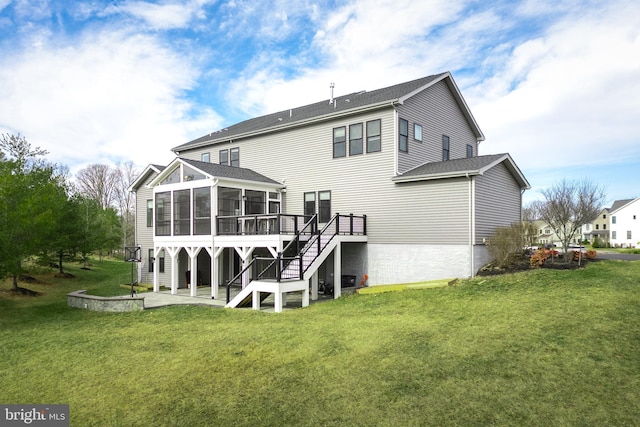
[{"x": 337, "y": 271}]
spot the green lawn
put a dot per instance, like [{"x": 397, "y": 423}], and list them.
[{"x": 535, "y": 348}]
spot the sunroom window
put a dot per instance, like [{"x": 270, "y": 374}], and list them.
[
  {"x": 202, "y": 211},
  {"x": 182, "y": 212}
]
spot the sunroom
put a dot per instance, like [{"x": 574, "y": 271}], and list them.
[{"x": 209, "y": 219}]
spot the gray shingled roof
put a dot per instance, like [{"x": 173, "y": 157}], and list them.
[
  {"x": 231, "y": 172},
  {"x": 461, "y": 167},
  {"x": 343, "y": 104},
  {"x": 470, "y": 164},
  {"x": 617, "y": 204}
]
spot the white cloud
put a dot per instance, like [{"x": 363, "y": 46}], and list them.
[
  {"x": 110, "y": 96},
  {"x": 160, "y": 16},
  {"x": 361, "y": 45},
  {"x": 568, "y": 96}
]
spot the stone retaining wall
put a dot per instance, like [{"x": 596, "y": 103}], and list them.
[{"x": 79, "y": 299}]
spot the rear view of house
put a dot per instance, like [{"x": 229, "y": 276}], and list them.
[{"x": 386, "y": 185}]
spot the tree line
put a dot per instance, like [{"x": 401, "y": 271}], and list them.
[{"x": 50, "y": 218}]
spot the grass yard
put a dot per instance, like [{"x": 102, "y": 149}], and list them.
[{"x": 541, "y": 347}]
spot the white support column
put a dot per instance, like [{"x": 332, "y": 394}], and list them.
[
  {"x": 245, "y": 255},
  {"x": 255, "y": 296},
  {"x": 305, "y": 298},
  {"x": 193, "y": 265},
  {"x": 314, "y": 286},
  {"x": 337, "y": 271},
  {"x": 174, "y": 273},
  {"x": 214, "y": 254},
  {"x": 156, "y": 272},
  {"x": 277, "y": 306},
  {"x": 173, "y": 253}
]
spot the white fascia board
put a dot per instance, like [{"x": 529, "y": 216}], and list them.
[
  {"x": 433, "y": 176},
  {"x": 141, "y": 177}
]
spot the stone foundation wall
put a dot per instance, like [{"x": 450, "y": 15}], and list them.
[{"x": 79, "y": 299}]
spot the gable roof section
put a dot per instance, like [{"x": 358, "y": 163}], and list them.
[
  {"x": 344, "y": 105},
  {"x": 456, "y": 168},
  {"x": 620, "y": 204},
  {"x": 617, "y": 204},
  {"x": 151, "y": 168},
  {"x": 230, "y": 172},
  {"x": 215, "y": 170}
]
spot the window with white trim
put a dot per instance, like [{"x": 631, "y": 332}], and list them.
[
  {"x": 339, "y": 142},
  {"x": 403, "y": 135},
  {"x": 373, "y": 136},
  {"x": 355, "y": 139},
  {"x": 417, "y": 132},
  {"x": 324, "y": 206},
  {"x": 445, "y": 147},
  {"x": 235, "y": 157}
]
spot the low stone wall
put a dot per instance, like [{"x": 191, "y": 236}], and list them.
[{"x": 79, "y": 299}]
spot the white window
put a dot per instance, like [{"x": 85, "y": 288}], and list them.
[{"x": 417, "y": 132}]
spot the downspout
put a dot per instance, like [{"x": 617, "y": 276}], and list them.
[
  {"x": 472, "y": 225},
  {"x": 396, "y": 152}
]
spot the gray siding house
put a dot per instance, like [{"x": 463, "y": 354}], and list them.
[{"x": 385, "y": 186}]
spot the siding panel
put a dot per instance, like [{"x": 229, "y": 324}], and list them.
[
  {"x": 437, "y": 111},
  {"x": 498, "y": 201}
]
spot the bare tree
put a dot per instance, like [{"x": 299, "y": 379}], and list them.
[
  {"x": 126, "y": 201},
  {"x": 568, "y": 205},
  {"x": 98, "y": 182}
]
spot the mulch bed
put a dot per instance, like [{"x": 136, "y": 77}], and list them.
[{"x": 521, "y": 263}]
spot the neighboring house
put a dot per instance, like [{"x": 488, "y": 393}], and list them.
[
  {"x": 599, "y": 227},
  {"x": 400, "y": 165},
  {"x": 625, "y": 224},
  {"x": 545, "y": 234}
]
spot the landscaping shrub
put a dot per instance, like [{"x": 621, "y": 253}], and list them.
[
  {"x": 591, "y": 254},
  {"x": 539, "y": 257}
]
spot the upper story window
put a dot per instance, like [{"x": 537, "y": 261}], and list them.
[
  {"x": 597, "y": 226},
  {"x": 417, "y": 132},
  {"x": 613, "y": 219},
  {"x": 445, "y": 147},
  {"x": 469, "y": 150},
  {"x": 604, "y": 216},
  {"x": 373, "y": 136},
  {"x": 223, "y": 157},
  {"x": 324, "y": 206},
  {"x": 403, "y": 135},
  {"x": 173, "y": 177},
  {"x": 150, "y": 213},
  {"x": 205, "y": 157},
  {"x": 235, "y": 157},
  {"x": 183, "y": 173},
  {"x": 191, "y": 174},
  {"x": 339, "y": 142},
  {"x": 629, "y": 234},
  {"x": 355, "y": 139},
  {"x": 309, "y": 204}
]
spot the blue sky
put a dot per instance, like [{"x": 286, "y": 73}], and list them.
[{"x": 554, "y": 83}]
